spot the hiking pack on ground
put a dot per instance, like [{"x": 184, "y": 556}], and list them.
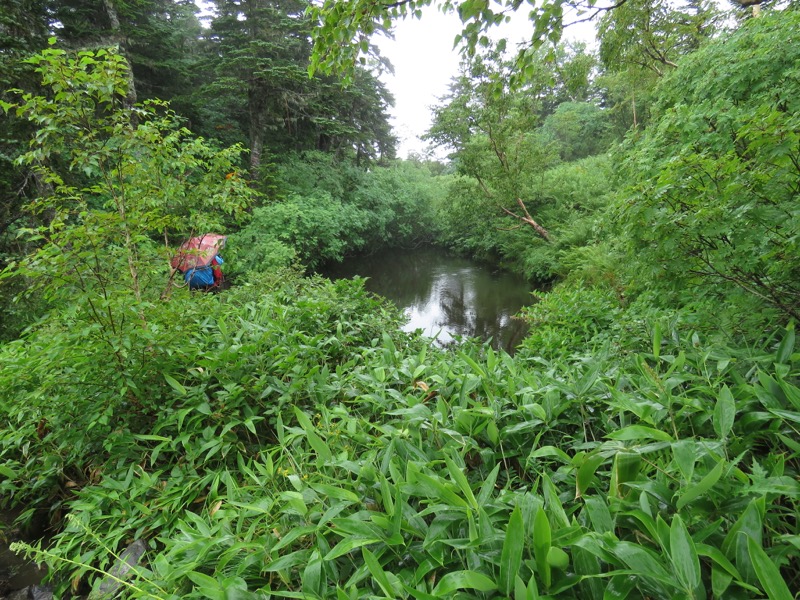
[{"x": 199, "y": 261}]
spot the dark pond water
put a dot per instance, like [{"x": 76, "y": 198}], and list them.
[
  {"x": 445, "y": 296},
  {"x": 16, "y": 572}
]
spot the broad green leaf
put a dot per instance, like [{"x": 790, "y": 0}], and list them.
[
  {"x": 639, "y": 432},
  {"x": 348, "y": 544},
  {"x": 287, "y": 561},
  {"x": 645, "y": 564},
  {"x": 487, "y": 489},
  {"x": 337, "y": 493},
  {"x": 748, "y": 526},
  {"x": 460, "y": 580},
  {"x": 461, "y": 481},
  {"x": 720, "y": 581},
  {"x": 619, "y": 587},
  {"x": 473, "y": 365},
  {"x": 321, "y": 449},
  {"x": 768, "y": 574},
  {"x": 599, "y": 515},
  {"x": 683, "y": 556},
  {"x": 7, "y": 472},
  {"x": 553, "y": 503},
  {"x": 377, "y": 572},
  {"x": 541, "y": 545},
  {"x": 786, "y": 347},
  {"x": 511, "y": 556},
  {"x": 586, "y": 473},
  {"x": 684, "y": 452},
  {"x": 657, "y": 340},
  {"x": 693, "y": 492},
  {"x": 175, "y": 384},
  {"x": 724, "y": 413}
]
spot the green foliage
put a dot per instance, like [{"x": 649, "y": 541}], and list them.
[
  {"x": 317, "y": 228},
  {"x": 581, "y": 128},
  {"x": 572, "y": 196},
  {"x": 342, "y": 31},
  {"x": 713, "y": 184},
  {"x": 334, "y": 209},
  {"x": 299, "y": 450},
  {"x": 284, "y": 438}
]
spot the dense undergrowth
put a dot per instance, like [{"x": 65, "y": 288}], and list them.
[
  {"x": 297, "y": 445},
  {"x": 283, "y": 438}
]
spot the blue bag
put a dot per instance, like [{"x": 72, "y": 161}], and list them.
[{"x": 199, "y": 278}]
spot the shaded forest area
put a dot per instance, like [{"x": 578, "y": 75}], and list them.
[{"x": 284, "y": 438}]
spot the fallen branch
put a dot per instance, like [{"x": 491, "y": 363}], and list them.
[{"x": 529, "y": 220}]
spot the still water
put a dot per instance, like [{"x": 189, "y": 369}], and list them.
[{"x": 445, "y": 296}]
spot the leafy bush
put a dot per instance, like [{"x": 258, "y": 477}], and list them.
[
  {"x": 713, "y": 183},
  {"x": 301, "y": 451}
]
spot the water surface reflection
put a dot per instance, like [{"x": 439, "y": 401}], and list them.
[{"x": 443, "y": 295}]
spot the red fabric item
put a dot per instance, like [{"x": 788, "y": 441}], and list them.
[
  {"x": 216, "y": 270},
  {"x": 198, "y": 252}
]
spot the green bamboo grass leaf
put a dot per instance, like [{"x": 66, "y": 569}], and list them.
[
  {"x": 786, "y": 414},
  {"x": 523, "y": 592},
  {"x": 644, "y": 563},
  {"x": 550, "y": 451},
  {"x": 716, "y": 555},
  {"x": 461, "y": 580},
  {"x": 768, "y": 574},
  {"x": 317, "y": 444},
  {"x": 487, "y": 489},
  {"x": 337, "y": 493},
  {"x": 684, "y": 453},
  {"x": 703, "y": 486},
  {"x": 349, "y": 544},
  {"x": 750, "y": 524},
  {"x": 473, "y": 365},
  {"x": 511, "y": 556},
  {"x": 720, "y": 581},
  {"x": 541, "y": 545},
  {"x": 175, "y": 384},
  {"x": 312, "y": 575},
  {"x": 599, "y": 514},
  {"x": 683, "y": 556},
  {"x": 557, "y": 558},
  {"x": 288, "y": 561},
  {"x": 639, "y": 432},
  {"x": 624, "y": 469},
  {"x": 415, "y": 593},
  {"x": 786, "y": 347},
  {"x": 619, "y": 587},
  {"x": 433, "y": 488},
  {"x": 586, "y": 474},
  {"x": 461, "y": 481},
  {"x": 724, "y": 413},
  {"x": 377, "y": 572},
  {"x": 553, "y": 503}
]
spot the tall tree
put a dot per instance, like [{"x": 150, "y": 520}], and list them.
[
  {"x": 24, "y": 27},
  {"x": 494, "y": 133},
  {"x": 258, "y": 52},
  {"x": 156, "y": 36},
  {"x": 715, "y": 180},
  {"x": 259, "y": 48},
  {"x": 640, "y": 42}
]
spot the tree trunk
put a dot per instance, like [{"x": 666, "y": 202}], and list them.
[
  {"x": 256, "y": 108},
  {"x": 119, "y": 41}
]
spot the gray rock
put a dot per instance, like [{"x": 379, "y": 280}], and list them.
[{"x": 109, "y": 587}]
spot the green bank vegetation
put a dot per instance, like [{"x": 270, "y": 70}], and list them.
[{"x": 284, "y": 438}]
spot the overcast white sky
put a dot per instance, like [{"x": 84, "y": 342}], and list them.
[{"x": 424, "y": 60}]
